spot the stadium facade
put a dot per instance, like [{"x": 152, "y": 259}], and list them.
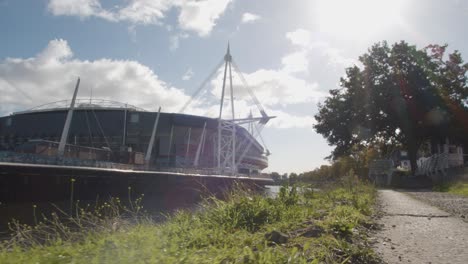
[{"x": 119, "y": 133}]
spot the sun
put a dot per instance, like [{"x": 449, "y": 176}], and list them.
[{"x": 357, "y": 18}]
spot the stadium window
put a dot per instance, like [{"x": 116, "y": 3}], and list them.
[
  {"x": 134, "y": 118},
  {"x": 8, "y": 121}
]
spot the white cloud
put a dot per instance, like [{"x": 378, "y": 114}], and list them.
[
  {"x": 295, "y": 62},
  {"x": 282, "y": 87},
  {"x": 188, "y": 74},
  {"x": 174, "y": 40},
  {"x": 334, "y": 55},
  {"x": 80, "y": 8},
  {"x": 300, "y": 37},
  {"x": 55, "y": 53},
  {"x": 286, "y": 120},
  {"x": 51, "y": 76},
  {"x": 198, "y": 16},
  {"x": 145, "y": 11},
  {"x": 273, "y": 87},
  {"x": 133, "y": 34},
  {"x": 243, "y": 108},
  {"x": 279, "y": 87},
  {"x": 285, "y": 86},
  {"x": 249, "y": 18},
  {"x": 303, "y": 39}
]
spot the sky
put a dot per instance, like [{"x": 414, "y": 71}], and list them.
[{"x": 152, "y": 53}]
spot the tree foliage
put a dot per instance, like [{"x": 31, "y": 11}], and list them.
[
  {"x": 355, "y": 164},
  {"x": 400, "y": 95}
]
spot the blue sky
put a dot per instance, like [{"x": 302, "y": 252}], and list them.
[{"x": 157, "y": 52}]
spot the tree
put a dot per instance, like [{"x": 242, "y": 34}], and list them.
[
  {"x": 400, "y": 96},
  {"x": 292, "y": 178},
  {"x": 275, "y": 176}
]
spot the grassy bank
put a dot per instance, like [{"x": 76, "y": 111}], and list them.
[
  {"x": 304, "y": 226},
  {"x": 458, "y": 187}
]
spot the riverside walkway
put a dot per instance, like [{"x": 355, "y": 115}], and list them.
[{"x": 415, "y": 232}]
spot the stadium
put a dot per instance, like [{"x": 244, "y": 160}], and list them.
[
  {"x": 103, "y": 133},
  {"x": 88, "y": 148},
  {"x": 113, "y": 132}
]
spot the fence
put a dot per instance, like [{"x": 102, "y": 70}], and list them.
[
  {"x": 380, "y": 171},
  {"x": 437, "y": 166}
]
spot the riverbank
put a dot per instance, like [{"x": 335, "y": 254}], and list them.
[{"x": 304, "y": 226}]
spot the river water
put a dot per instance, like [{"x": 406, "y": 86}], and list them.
[
  {"x": 29, "y": 212},
  {"x": 272, "y": 190}
]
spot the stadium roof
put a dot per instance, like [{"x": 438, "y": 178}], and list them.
[{"x": 94, "y": 104}]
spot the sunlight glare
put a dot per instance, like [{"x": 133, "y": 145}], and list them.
[{"x": 357, "y": 17}]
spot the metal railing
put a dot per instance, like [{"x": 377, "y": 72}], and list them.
[
  {"x": 438, "y": 163},
  {"x": 28, "y": 158}
]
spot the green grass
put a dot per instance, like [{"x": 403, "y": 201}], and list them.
[
  {"x": 459, "y": 187},
  {"x": 225, "y": 231}
]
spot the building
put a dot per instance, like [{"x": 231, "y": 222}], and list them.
[{"x": 120, "y": 133}]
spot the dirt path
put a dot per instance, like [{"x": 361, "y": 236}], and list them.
[{"x": 415, "y": 232}]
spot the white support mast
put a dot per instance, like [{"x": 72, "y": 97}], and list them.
[
  {"x": 233, "y": 161},
  {"x": 226, "y": 157},
  {"x": 153, "y": 135},
  {"x": 188, "y": 145},
  {"x": 200, "y": 146},
  {"x": 228, "y": 149},
  {"x": 66, "y": 128},
  {"x": 124, "y": 135},
  {"x": 169, "y": 151}
]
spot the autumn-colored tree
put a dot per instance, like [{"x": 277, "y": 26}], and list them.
[{"x": 400, "y": 96}]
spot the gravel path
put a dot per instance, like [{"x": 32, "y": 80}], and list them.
[
  {"x": 451, "y": 203},
  {"x": 416, "y": 232}
]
